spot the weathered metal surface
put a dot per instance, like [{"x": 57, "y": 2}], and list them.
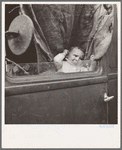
[
  {"x": 113, "y": 76},
  {"x": 113, "y": 104},
  {"x": 79, "y": 105},
  {"x": 37, "y": 87}
]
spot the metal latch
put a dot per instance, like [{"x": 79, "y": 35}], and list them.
[{"x": 107, "y": 98}]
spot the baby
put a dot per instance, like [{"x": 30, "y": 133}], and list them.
[{"x": 73, "y": 63}]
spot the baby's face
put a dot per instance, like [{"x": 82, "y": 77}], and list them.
[{"x": 75, "y": 56}]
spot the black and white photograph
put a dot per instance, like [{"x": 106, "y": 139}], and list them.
[{"x": 61, "y": 74}]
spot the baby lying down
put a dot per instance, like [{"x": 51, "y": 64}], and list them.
[{"x": 73, "y": 61}]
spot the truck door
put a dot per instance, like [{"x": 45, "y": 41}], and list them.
[{"x": 69, "y": 98}]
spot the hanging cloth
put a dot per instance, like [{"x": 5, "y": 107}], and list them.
[
  {"x": 61, "y": 26},
  {"x": 83, "y": 23},
  {"x": 56, "y": 22},
  {"x": 101, "y": 34}
]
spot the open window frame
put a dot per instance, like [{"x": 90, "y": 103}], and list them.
[{"x": 55, "y": 76}]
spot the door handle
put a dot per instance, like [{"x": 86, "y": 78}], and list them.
[{"x": 107, "y": 98}]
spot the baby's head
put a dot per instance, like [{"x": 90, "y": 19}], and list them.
[{"x": 75, "y": 55}]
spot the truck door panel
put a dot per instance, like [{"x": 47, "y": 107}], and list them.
[
  {"x": 79, "y": 104},
  {"x": 113, "y": 104}
]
